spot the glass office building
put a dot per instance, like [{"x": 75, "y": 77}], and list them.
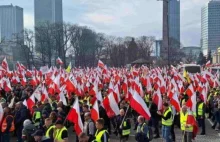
[{"x": 210, "y": 26}]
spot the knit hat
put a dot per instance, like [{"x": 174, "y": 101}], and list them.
[{"x": 27, "y": 122}]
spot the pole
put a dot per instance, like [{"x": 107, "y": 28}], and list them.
[{"x": 124, "y": 117}]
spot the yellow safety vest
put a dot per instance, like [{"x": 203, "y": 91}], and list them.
[
  {"x": 200, "y": 109},
  {"x": 37, "y": 115},
  {"x": 125, "y": 131},
  {"x": 146, "y": 98},
  {"x": 58, "y": 134},
  {"x": 98, "y": 135},
  {"x": 141, "y": 129},
  {"x": 169, "y": 121},
  {"x": 48, "y": 131},
  {"x": 183, "y": 119}
]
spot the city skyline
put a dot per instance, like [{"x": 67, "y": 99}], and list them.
[{"x": 126, "y": 19}]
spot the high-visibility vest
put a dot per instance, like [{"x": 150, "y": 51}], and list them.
[
  {"x": 125, "y": 131},
  {"x": 141, "y": 129},
  {"x": 169, "y": 121},
  {"x": 4, "y": 124},
  {"x": 183, "y": 119},
  {"x": 147, "y": 98},
  {"x": 37, "y": 115},
  {"x": 200, "y": 109},
  {"x": 98, "y": 135},
  {"x": 58, "y": 134},
  {"x": 48, "y": 131}
]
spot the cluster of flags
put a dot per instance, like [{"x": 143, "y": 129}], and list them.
[{"x": 119, "y": 82}]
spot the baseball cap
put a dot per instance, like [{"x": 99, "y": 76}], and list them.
[{"x": 38, "y": 133}]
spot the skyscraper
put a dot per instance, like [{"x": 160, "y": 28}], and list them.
[
  {"x": 210, "y": 26},
  {"x": 174, "y": 23},
  {"x": 48, "y": 11},
  {"x": 11, "y": 21}
]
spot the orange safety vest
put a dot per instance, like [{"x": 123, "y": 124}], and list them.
[{"x": 4, "y": 124}]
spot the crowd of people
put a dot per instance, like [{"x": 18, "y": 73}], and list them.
[{"x": 171, "y": 98}]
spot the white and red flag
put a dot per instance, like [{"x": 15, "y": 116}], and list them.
[
  {"x": 59, "y": 61},
  {"x": 101, "y": 64},
  {"x": 95, "y": 111},
  {"x": 111, "y": 105},
  {"x": 138, "y": 104},
  {"x": 74, "y": 117}
]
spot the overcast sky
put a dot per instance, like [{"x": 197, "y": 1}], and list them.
[{"x": 124, "y": 17}]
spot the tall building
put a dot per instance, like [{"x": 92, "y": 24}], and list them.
[
  {"x": 174, "y": 23},
  {"x": 11, "y": 21},
  {"x": 210, "y": 26},
  {"x": 48, "y": 11}
]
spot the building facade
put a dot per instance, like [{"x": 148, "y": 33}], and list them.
[
  {"x": 210, "y": 26},
  {"x": 174, "y": 23},
  {"x": 11, "y": 21},
  {"x": 48, "y": 11}
]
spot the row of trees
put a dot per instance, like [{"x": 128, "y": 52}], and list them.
[{"x": 86, "y": 46}]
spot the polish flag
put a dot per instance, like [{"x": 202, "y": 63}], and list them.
[
  {"x": 95, "y": 112},
  {"x": 33, "y": 81},
  {"x": 191, "y": 103},
  {"x": 23, "y": 81},
  {"x": 5, "y": 65},
  {"x": 190, "y": 90},
  {"x": 111, "y": 105},
  {"x": 30, "y": 102},
  {"x": 7, "y": 85},
  {"x": 138, "y": 104},
  {"x": 192, "y": 121},
  {"x": 71, "y": 84},
  {"x": 175, "y": 101},
  {"x": 62, "y": 97},
  {"x": 208, "y": 63},
  {"x": 158, "y": 99},
  {"x": 37, "y": 93},
  {"x": 51, "y": 89},
  {"x": 44, "y": 94},
  {"x": 59, "y": 61},
  {"x": 101, "y": 64},
  {"x": 74, "y": 117}
]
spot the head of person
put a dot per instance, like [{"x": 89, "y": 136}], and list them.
[
  {"x": 83, "y": 137},
  {"x": 53, "y": 115},
  {"x": 87, "y": 116},
  {"x": 199, "y": 98},
  {"x": 48, "y": 122},
  {"x": 100, "y": 124},
  {"x": 184, "y": 108},
  {"x": 122, "y": 112},
  {"x": 38, "y": 134},
  {"x": 140, "y": 119},
  {"x": 60, "y": 104},
  {"x": 59, "y": 109},
  {"x": 34, "y": 108},
  {"x": 6, "y": 110},
  {"x": 18, "y": 105},
  {"x": 26, "y": 122},
  {"x": 165, "y": 105},
  {"x": 85, "y": 108},
  {"x": 59, "y": 124}
]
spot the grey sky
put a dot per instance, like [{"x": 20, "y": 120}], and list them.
[{"x": 124, "y": 17}]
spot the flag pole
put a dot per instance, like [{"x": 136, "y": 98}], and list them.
[{"x": 125, "y": 116}]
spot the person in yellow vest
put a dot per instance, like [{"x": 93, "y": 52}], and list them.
[
  {"x": 7, "y": 126},
  {"x": 123, "y": 126},
  {"x": 101, "y": 134},
  {"x": 200, "y": 114},
  {"x": 36, "y": 117},
  {"x": 60, "y": 132},
  {"x": 49, "y": 128},
  {"x": 187, "y": 130},
  {"x": 142, "y": 133},
  {"x": 167, "y": 121}
]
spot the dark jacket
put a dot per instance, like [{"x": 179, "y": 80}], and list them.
[
  {"x": 47, "y": 108},
  {"x": 27, "y": 132},
  {"x": 119, "y": 120},
  {"x": 153, "y": 110},
  {"x": 20, "y": 116},
  {"x": 45, "y": 139}
]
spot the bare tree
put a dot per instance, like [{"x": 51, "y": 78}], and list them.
[{"x": 145, "y": 46}]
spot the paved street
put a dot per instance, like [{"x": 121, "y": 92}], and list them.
[{"x": 211, "y": 136}]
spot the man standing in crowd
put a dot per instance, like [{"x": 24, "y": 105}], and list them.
[
  {"x": 20, "y": 115},
  {"x": 200, "y": 114},
  {"x": 101, "y": 134},
  {"x": 89, "y": 126},
  {"x": 49, "y": 128},
  {"x": 187, "y": 130},
  {"x": 60, "y": 132},
  {"x": 123, "y": 126},
  {"x": 142, "y": 134},
  {"x": 167, "y": 121}
]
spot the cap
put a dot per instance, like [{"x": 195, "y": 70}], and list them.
[
  {"x": 59, "y": 122},
  {"x": 38, "y": 133}
]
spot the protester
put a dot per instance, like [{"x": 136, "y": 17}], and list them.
[
  {"x": 101, "y": 134},
  {"x": 38, "y": 137},
  {"x": 7, "y": 125},
  {"x": 84, "y": 138},
  {"x": 200, "y": 113},
  {"x": 28, "y": 130},
  {"x": 60, "y": 132},
  {"x": 142, "y": 134},
  {"x": 89, "y": 126},
  {"x": 49, "y": 128}
]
